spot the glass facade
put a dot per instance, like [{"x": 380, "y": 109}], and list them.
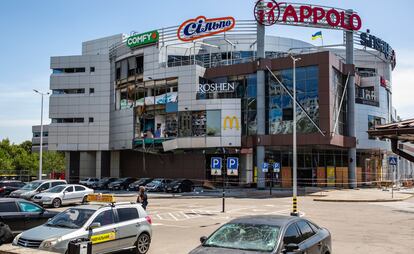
[
  {"x": 338, "y": 83},
  {"x": 280, "y": 104}
]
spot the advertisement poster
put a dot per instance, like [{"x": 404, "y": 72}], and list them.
[{"x": 330, "y": 176}]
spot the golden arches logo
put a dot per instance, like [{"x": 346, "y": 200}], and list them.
[{"x": 232, "y": 121}]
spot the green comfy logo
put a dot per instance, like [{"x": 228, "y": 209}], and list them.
[{"x": 142, "y": 39}]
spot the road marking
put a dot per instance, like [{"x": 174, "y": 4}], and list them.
[{"x": 173, "y": 216}]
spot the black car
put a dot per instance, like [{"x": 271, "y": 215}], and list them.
[
  {"x": 103, "y": 183},
  {"x": 121, "y": 183},
  {"x": 274, "y": 234},
  {"x": 158, "y": 184},
  {"x": 180, "y": 185},
  {"x": 141, "y": 182},
  {"x": 7, "y": 186},
  {"x": 20, "y": 214}
]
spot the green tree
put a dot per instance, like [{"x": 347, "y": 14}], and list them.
[
  {"x": 53, "y": 162},
  {"x": 27, "y": 146}
]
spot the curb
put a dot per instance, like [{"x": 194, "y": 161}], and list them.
[{"x": 361, "y": 200}]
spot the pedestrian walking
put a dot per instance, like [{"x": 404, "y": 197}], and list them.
[{"x": 142, "y": 197}]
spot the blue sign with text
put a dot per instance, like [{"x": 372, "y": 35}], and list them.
[
  {"x": 276, "y": 167},
  {"x": 232, "y": 163},
  {"x": 216, "y": 163}
]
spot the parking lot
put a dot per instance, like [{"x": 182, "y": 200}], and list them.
[{"x": 386, "y": 227}]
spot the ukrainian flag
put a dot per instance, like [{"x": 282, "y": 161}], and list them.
[{"x": 317, "y": 35}]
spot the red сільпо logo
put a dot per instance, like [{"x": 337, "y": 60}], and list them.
[{"x": 200, "y": 27}]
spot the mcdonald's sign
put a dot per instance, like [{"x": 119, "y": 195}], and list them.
[{"x": 231, "y": 121}]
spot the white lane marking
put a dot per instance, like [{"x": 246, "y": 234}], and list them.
[{"x": 173, "y": 216}]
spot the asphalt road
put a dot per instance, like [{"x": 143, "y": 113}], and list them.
[
  {"x": 355, "y": 227},
  {"x": 364, "y": 228}
]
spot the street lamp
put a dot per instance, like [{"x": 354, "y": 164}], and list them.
[
  {"x": 41, "y": 133},
  {"x": 295, "y": 157}
]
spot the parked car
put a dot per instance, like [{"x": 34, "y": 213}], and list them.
[
  {"x": 96, "y": 222},
  {"x": 6, "y": 187},
  {"x": 141, "y": 182},
  {"x": 35, "y": 187},
  {"x": 274, "y": 234},
  {"x": 103, "y": 183},
  {"x": 158, "y": 184},
  {"x": 20, "y": 214},
  {"x": 63, "y": 195},
  {"x": 89, "y": 181},
  {"x": 121, "y": 183},
  {"x": 180, "y": 185}
]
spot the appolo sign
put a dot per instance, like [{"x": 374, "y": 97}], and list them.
[{"x": 269, "y": 12}]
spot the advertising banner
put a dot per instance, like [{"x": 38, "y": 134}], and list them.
[{"x": 330, "y": 176}]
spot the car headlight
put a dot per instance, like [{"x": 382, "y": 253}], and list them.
[
  {"x": 176, "y": 186},
  {"x": 16, "y": 239},
  {"x": 49, "y": 243}
]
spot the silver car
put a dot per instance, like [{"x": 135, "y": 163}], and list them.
[
  {"x": 110, "y": 228},
  {"x": 35, "y": 187},
  {"x": 63, "y": 195}
]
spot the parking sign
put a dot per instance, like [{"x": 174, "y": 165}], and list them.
[
  {"x": 215, "y": 166},
  {"x": 265, "y": 167},
  {"x": 276, "y": 167},
  {"x": 232, "y": 166}
]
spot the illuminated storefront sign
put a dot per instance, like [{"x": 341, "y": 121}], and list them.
[
  {"x": 200, "y": 27},
  {"x": 269, "y": 12},
  {"x": 216, "y": 88},
  {"x": 231, "y": 122},
  {"x": 142, "y": 39}
]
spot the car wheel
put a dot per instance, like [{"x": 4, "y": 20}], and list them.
[
  {"x": 143, "y": 243},
  {"x": 85, "y": 200},
  {"x": 56, "y": 203}
]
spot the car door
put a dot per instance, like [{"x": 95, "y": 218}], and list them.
[
  {"x": 32, "y": 214},
  {"x": 309, "y": 238},
  {"x": 69, "y": 196},
  {"x": 10, "y": 215},
  {"x": 292, "y": 235},
  {"x": 80, "y": 192},
  {"x": 104, "y": 238},
  {"x": 128, "y": 226}
]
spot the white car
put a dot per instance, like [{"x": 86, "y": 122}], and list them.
[
  {"x": 89, "y": 181},
  {"x": 63, "y": 195}
]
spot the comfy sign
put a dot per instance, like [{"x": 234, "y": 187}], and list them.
[
  {"x": 269, "y": 12},
  {"x": 200, "y": 27},
  {"x": 142, "y": 39}
]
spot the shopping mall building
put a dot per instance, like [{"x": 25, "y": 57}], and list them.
[{"x": 163, "y": 103}]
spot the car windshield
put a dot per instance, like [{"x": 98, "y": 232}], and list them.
[
  {"x": 31, "y": 186},
  {"x": 121, "y": 180},
  {"x": 71, "y": 218},
  {"x": 245, "y": 237},
  {"x": 176, "y": 182},
  {"x": 57, "y": 189}
]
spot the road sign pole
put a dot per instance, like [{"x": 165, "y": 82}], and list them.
[
  {"x": 223, "y": 209},
  {"x": 271, "y": 181}
]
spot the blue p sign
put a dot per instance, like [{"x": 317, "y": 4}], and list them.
[
  {"x": 215, "y": 163},
  {"x": 232, "y": 163}
]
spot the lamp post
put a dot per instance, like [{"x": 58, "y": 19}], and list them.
[
  {"x": 295, "y": 157},
  {"x": 41, "y": 133}
]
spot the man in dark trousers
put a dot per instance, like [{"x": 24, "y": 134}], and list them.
[{"x": 142, "y": 197}]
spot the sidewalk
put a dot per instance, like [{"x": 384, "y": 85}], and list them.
[
  {"x": 361, "y": 195},
  {"x": 10, "y": 249}
]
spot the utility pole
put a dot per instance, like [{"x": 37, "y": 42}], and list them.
[
  {"x": 41, "y": 134},
  {"x": 295, "y": 157}
]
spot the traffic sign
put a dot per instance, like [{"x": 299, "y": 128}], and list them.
[
  {"x": 393, "y": 161},
  {"x": 216, "y": 163},
  {"x": 276, "y": 167},
  {"x": 265, "y": 167},
  {"x": 232, "y": 166},
  {"x": 216, "y": 172}
]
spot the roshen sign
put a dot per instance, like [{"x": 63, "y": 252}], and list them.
[
  {"x": 200, "y": 27},
  {"x": 216, "y": 88},
  {"x": 269, "y": 12}
]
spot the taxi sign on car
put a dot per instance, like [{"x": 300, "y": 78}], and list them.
[{"x": 99, "y": 197}]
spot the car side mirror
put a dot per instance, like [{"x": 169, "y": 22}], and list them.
[
  {"x": 94, "y": 225},
  {"x": 291, "y": 248},
  {"x": 203, "y": 239}
]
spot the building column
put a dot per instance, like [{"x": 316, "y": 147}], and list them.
[
  {"x": 351, "y": 106},
  {"x": 246, "y": 168},
  {"x": 98, "y": 163},
  {"x": 115, "y": 161},
  {"x": 261, "y": 104},
  {"x": 67, "y": 166},
  {"x": 87, "y": 165}
]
